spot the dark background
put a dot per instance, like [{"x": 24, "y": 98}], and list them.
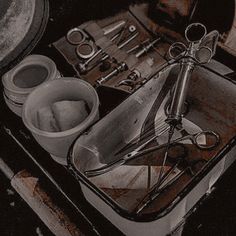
[{"x": 216, "y": 216}]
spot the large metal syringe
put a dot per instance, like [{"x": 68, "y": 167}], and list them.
[{"x": 200, "y": 51}]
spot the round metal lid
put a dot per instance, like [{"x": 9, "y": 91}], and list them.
[{"x": 22, "y": 23}]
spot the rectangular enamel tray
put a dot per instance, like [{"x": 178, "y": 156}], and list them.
[{"x": 211, "y": 106}]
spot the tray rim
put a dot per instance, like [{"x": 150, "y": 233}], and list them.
[{"x": 148, "y": 217}]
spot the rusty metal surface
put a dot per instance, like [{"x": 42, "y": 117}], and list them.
[
  {"x": 28, "y": 186},
  {"x": 70, "y": 200}
]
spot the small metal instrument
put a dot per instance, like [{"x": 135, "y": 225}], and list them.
[
  {"x": 86, "y": 47},
  {"x": 113, "y": 27},
  {"x": 137, "y": 46},
  {"x": 138, "y": 75},
  {"x": 159, "y": 188},
  {"x": 118, "y": 69},
  {"x": 128, "y": 40},
  {"x": 146, "y": 48},
  {"x": 132, "y": 28},
  {"x": 131, "y": 80},
  {"x": 140, "y": 151},
  {"x": 83, "y": 67}
]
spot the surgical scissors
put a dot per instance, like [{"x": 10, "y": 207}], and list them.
[
  {"x": 140, "y": 151},
  {"x": 85, "y": 46}
]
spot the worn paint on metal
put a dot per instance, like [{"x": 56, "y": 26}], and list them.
[{"x": 55, "y": 219}]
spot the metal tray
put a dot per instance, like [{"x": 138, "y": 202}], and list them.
[{"x": 207, "y": 109}]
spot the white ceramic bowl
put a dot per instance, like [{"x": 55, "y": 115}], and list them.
[{"x": 58, "y": 143}]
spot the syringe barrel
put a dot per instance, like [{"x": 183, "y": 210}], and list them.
[{"x": 180, "y": 91}]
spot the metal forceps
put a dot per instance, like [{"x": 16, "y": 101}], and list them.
[
  {"x": 194, "y": 138},
  {"x": 165, "y": 184},
  {"x": 158, "y": 188},
  {"x": 140, "y": 151},
  {"x": 127, "y": 157}
]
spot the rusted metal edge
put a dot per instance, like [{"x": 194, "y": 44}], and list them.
[{"x": 8, "y": 172}]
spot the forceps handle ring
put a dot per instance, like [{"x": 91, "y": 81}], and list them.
[{"x": 207, "y": 146}]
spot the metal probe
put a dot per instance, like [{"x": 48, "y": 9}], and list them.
[
  {"x": 120, "y": 68},
  {"x": 120, "y": 46},
  {"x": 147, "y": 47}
]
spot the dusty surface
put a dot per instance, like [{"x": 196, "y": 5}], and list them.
[{"x": 15, "y": 24}]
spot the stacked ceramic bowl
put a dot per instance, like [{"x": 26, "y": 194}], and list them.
[{"x": 20, "y": 81}]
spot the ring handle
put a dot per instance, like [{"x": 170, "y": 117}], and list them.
[
  {"x": 195, "y": 32},
  {"x": 76, "y": 36},
  {"x": 176, "y": 49},
  {"x": 209, "y": 133},
  {"x": 203, "y": 55},
  {"x": 85, "y": 50}
]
